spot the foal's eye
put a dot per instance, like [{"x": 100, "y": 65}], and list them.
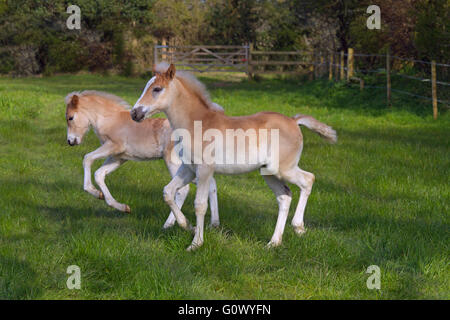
[
  {"x": 71, "y": 118},
  {"x": 157, "y": 89}
]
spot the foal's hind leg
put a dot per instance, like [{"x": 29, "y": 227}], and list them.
[
  {"x": 284, "y": 197},
  {"x": 109, "y": 166},
  {"x": 305, "y": 181},
  {"x": 213, "y": 203}
]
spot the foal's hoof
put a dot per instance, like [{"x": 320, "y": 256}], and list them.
[
  {"x": 101, "y": 196},
  {"x": 188, "y": 227},
  {"x": 300, "y": 230},
  {"x": 214, "y": 225},
  {"x": 193, "y": 247},
  {"x": 167, "y": 226},
  {"x": 273, "y": 244},
  {"x": 127, "y": 209}
]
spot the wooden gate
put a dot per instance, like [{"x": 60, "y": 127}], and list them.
[{"x": 205, "y": 58}]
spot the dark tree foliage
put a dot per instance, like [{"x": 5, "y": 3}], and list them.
[
  {"x": 233, "y": 22},
  {"x": 34, "y": 37}
]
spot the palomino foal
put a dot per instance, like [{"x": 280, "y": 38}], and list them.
[
  {"x": 122, "y": 139},
  {"x": 185, "y": 102}
]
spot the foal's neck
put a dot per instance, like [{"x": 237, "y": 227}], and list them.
[
  {"x": 186, "y": 108},
  {"x": 98, "y": 110}
]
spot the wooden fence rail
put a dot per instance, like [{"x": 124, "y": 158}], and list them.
[{"x": 204, "y": 58}]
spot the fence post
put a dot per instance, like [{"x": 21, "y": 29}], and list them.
[
  {"x": 249, "y": 61},
  {"x": 330, "y": 67},
  {"x": 350, "y": 64},
  {"x": 311, "y": 72},
  {"x": 170, "y": 51},
  {"x": 155, "y": 54},
  {"x": 433, "y": 89},
  {"x": 322, "y": 66},
  {"x": 314, "y": 65},
  {"x": 388, "y": 76},
  {"x": 342, "y": 65},
  {"x": 163, "y": 50},
  {"x": 336, "y": 66}
]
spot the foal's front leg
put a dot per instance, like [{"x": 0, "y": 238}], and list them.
[
  {"x": 109, "y": 166},
  {"x": 180, "y": 195},
  {"x": 183, "y": 177},
  {"x": 179, "y": 200},
  {"x": 104, "y": 151},
  {"x": 204, "y": 175},
  {"x": 213, "y": 205}
]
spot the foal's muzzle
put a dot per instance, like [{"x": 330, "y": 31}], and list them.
[{"x": 137, "y": 114}]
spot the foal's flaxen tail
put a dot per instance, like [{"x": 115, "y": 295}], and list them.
[{"x": 320, "y": 128}]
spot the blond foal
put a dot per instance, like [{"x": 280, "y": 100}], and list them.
[
  {"x": 186, "y": 104},
  {"x": 122, "y": 139}
]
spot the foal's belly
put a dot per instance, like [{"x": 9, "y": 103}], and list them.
[
  {"x": 134, "y": 157},
  {"x": 142, "y": 153},
  {"x": 235, "y": 168}
]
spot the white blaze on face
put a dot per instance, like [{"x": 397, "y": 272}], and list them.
[{"x": 149, "y": 83}]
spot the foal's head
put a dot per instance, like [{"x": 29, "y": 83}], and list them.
[
  {"x": 157, "y": 95},
  {"x": 77, "y": 122}
]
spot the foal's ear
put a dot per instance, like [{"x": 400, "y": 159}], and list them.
[
  {"x": 74, "y": 101},
  {"x": 170, "y": 73}
]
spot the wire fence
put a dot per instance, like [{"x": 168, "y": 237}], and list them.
[{"x": 426, "y": 80}]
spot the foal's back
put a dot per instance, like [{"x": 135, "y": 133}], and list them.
[
  {"x": 142, "y": 141},
  {"x": 137, "y": 141}
]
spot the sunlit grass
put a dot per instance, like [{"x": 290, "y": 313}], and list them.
[{"x": 381, "y": 197}]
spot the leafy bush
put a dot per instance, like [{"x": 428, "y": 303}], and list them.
[
  {"x": 99, "y": 56},
  {"x": 6, "y": 62},
  {"x": 67, "y": 56}
]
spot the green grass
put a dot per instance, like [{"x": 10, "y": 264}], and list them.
[{"x": 381, "y": 197}]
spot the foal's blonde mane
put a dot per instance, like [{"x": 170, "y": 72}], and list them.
[
  {"x": 192, "y": 84},
  {"x": 102, "y": 94}
]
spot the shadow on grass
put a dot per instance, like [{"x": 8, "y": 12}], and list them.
[
  {"x": 17, "y": 280},
  {"x": 428, "y": 137}
]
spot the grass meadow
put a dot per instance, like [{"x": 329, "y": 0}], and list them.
[{"x": 381, "y": 198}]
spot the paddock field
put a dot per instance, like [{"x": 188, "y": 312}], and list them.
[{"x": 381, "y": 197}]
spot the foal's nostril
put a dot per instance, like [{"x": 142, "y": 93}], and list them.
[
  {"x": 133, "y": 114},
  {"x": 137, "y": 114}
]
